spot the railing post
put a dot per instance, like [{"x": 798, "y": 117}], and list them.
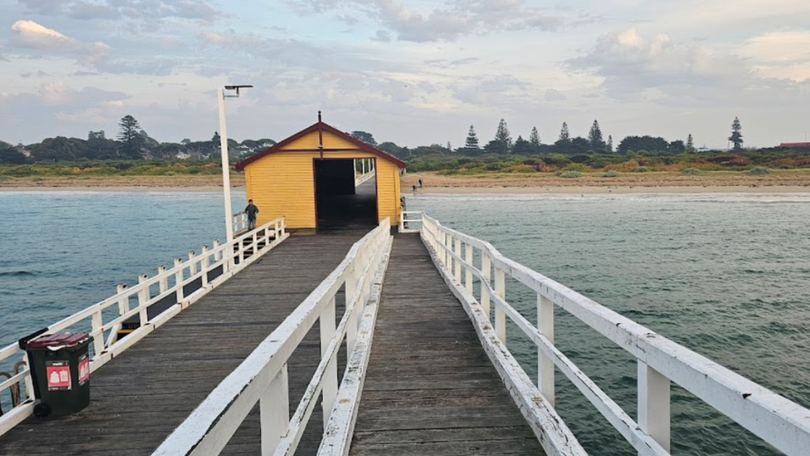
[
  {"x": 178, "y": 279},
  {"x": 456, "y": 262},
  {"x": 164, "y": 281},
  {"x": 241, "y": 251},
  {"x": 192, "y": 265},
  {"x": 654, "y": 404},
  {"x": 500, "y": 317},
  {"x": 274, "y": 410},
  {"x": 123, "y": 302},
  {"x": 283, "y": 227},
  {"x": 217, "y": 251},
  {"x": 486, "y": 268},
  {"x": 98, "y": 339},
  {"x": 468, "y": 260},
  {"x": 330, "y": 378},
  {"x": 143, "y": 298},
  {"x": 350, "y": 292},
  {"x": 545, "y": 366},
  {"x": 204, "y": 265}
]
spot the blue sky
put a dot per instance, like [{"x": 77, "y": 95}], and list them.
[{"x": 412, "y": 72}]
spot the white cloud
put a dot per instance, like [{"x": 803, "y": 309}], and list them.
[
  {"x": 782, "y": 54},
  {"x": 447, "y": 22},
  {"x": 31, "y": 35}
]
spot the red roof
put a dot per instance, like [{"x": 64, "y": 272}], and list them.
[
  {"x": 322, "y": 126},
  {"x": 799, "y": 144}
]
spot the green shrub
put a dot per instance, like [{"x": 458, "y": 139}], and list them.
[
  {"x": 571, "y": 174},
  {"x": 611, "y": 173},
  {"x": 691, "y": 171},
  {"x": 759, "y": 171},
  {"x": 578, "y": 167},
  {"x": 641, "y": 169}
]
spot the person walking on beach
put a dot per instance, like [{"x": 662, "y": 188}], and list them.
[
  {"x": 420, "y": 182},
  {"x": 251, "y": 210}
]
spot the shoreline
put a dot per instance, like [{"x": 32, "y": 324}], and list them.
[{"x": 460, "y": 190}]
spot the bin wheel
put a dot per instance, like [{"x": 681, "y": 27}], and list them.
[{"x": 42, "y": 410}]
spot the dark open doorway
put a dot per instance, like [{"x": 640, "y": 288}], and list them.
[{"x": 340, "y": 203}]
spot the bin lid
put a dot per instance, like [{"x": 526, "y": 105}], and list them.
[{"x": 58, "y": 340}]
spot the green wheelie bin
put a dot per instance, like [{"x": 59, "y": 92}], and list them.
[{"x": 60, "y": 370}]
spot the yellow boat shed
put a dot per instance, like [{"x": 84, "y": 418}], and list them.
[{"x": 321, "y": 178}]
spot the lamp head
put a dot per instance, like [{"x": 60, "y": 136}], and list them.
[{"x": 237, "y": 87}]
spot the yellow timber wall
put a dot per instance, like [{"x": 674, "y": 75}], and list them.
[{"x": 283, "y": 183}]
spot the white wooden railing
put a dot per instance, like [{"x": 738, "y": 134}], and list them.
[
  {"x": 262, "y": 377},
  {"x": 240, "y": 222},
  {"x": 780, "y": 422},
  {"x": 408, "y": 221},
  {"x": 363, "y": 178},
  {"x": 106, "y": 318}
]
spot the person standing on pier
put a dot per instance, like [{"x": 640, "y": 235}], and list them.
[{"x": 251, "y": 210}]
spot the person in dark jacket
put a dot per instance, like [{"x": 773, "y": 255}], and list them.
[{"x": 251, "y": 210}]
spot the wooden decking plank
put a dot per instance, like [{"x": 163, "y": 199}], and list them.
[
  {"x": 139, "y": 397},
  {"x": 430, "y": 388}
]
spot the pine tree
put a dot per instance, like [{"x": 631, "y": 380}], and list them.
[
  {"x": 534, "y": 138},
  {"x": 522, "y": 147},
  {"x": 736, "y": 136},
  {"x": 690, "y": 144},
  {"x": 503, "y": 136},
  {"x": 610, "y": 144},
  {"x": 564, "y": 136},
  {"x": 595, "y": 136},
  {"x": 131, "y": 140},
  {"x": 472, "y": 139}
]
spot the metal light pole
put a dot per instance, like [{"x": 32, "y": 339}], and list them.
[{"x": 223, "y": 144}]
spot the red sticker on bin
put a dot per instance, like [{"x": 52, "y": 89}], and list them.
[
  {"x": 84, "y": 369},
  {"x": 58, "y": 375}
]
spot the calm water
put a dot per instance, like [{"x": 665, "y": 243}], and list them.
[{"x": 725, "y": 275}]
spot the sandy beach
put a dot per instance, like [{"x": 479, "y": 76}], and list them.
[{"x": 717, "y": 182}]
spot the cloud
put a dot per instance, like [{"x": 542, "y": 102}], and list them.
[
  {"x": 447, "y": 22},
  {"x": 553, "y": 95},
  {"x": 31, "y": 35},
  {"x": 503, "y": 91},
  {"x": 382, "y": 36},
  {"x": 783, "y": 54},
  {"x": 132, "y": 9},
  {"x": 633, "y": 66}
]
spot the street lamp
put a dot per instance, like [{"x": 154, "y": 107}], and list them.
[{"x": 223, "y": 144}]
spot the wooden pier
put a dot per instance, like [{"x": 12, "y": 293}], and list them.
[
  {"x": 397, "y": 344},
  {"x": 430, "y": 388}
]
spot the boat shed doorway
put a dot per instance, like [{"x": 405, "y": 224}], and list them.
[{"x": 345, "y": 196}]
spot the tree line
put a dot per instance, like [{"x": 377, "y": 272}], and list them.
[
  {"x": 131, "y": 143},
  {"x": 595, "y": 143}
]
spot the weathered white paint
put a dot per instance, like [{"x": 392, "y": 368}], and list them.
[
  {"x": 338, "y": 433},
  {"x": 545, "y": 366},
  {"x": 208, "y": 429},
  {"x": 653, "y": 404},
  {"x": 410, "y": 221},
  {"x": 106, "y": 348},
  {"x": 775, "y": 419},
  {"x": 548, "y": 427}
]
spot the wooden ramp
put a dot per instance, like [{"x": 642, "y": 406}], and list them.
[
  {"x": 138, "y": 398},
  {"x": 430, "y": 388}
]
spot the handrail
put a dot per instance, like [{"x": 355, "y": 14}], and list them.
[
  {"x": 408, "y": 219},
  {"x": 780, "y": 422},
  {"x": 227, "y": 259},
  {"x": 363, "y": 178},
  {"x": 262, "y": 377}
]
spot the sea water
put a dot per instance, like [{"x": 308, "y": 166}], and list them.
[{"x": 725, "y": 275}]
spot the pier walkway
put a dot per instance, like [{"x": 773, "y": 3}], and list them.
[
  {"x": 430, "y": 388},
  {"x": 143, "y": 394}
]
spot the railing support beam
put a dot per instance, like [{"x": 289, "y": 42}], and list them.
[
  {"x": 274, "y": 406},
  {"x": 545, "y": 366},
  {"x": 330, "y": 381},
  {"x": 654, "y": 404},
  {"x": 500, "y": 316}
]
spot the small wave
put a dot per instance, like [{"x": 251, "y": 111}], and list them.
[{"x": 17, "y": 274}]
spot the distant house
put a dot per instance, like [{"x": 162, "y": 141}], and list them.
[
  {"x": 796, "y": 145},
  {"x": 183, "y": 156}
]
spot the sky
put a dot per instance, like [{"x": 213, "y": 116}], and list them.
[{"x": 414, "y": 72}]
